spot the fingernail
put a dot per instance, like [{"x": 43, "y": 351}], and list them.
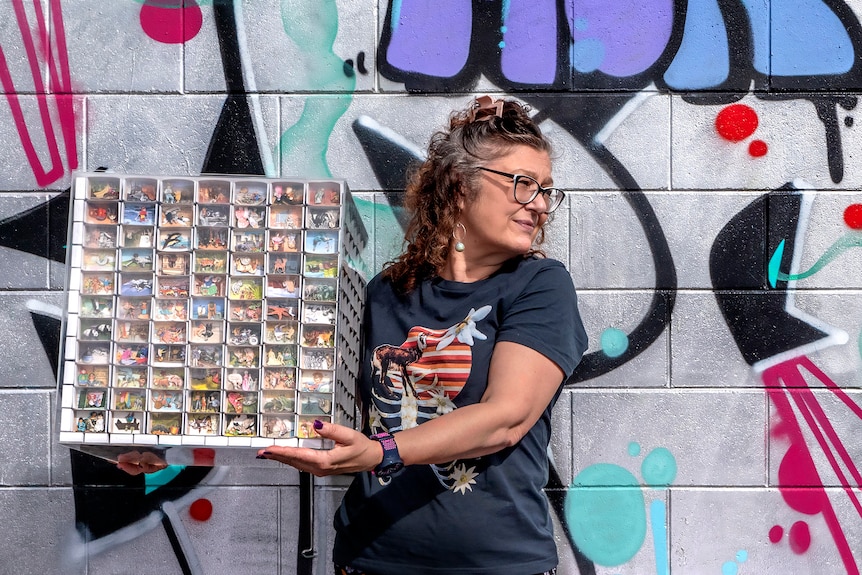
[
  {"x": 261, "y": 456},
  {"x": 318, "y": 424}
]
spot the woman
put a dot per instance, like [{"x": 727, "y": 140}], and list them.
[{"x": 468, "y": 336}]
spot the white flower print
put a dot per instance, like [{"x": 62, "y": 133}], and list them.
[
  {"x": 463, "y": 478},
  {"x": 441, "y": 401},
  {"x": 409, "y": 412},
  {"x": 465, "y": 331}
]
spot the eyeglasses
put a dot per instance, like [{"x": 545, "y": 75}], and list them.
[{"x": 527, "y": 189}]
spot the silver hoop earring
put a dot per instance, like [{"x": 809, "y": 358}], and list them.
[{"x": 459, "y": 243}]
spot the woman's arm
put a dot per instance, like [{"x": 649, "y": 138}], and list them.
[{"x": 521, "y": 384}]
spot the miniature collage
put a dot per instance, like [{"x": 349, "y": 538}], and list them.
[{"x": 200, "y": 308}]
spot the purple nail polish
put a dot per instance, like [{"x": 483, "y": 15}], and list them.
[
  {"x": 260, "y": 456},
  {"x": 318, "y": 424}
]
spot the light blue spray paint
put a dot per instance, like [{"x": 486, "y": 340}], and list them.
[
  {"x": 614, "y": 342},
  {"x": 658, "y": 522},
  {"x": 702, "y": 60}
]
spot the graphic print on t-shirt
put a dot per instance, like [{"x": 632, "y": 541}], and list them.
[{"x": 419, "y": 379}]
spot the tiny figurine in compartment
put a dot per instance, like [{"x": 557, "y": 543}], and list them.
[
  {"x": 129, "y": 399},
  {"x": 133, "y": 331},
  {"x": 250, "y": 193},
  {"x": 169, "y": 332},
  {"x": 204, "y": 401},
  {"x": 244, "y": 334},
  {"x": 240, "y": 425},
  {"x": 305, "y": 427},
  {"x": 237, "y": 402},
  {"x": 284, "y": 263},
  {"x": 248, "y": 241},
  {"x": 247, "y": 264},
  {"x": 213, "y": 215},
  {"x": 171, "y": 378},
  {"x": 137, "y": 237},
  {"x": 92, "y": 376},
  {"x": 102, "y": 213},
  {"x": 205, "y": 331},
  {"x": 279, "y": 402},
  {"x": 280, "y": 332},
  {"x": 97, "y": 307},
  {"x": 315, "y": 404},
  {"x": 133, "y": 308},
  {"x": 140, "y": 190},
  {"x": 135, "y": 259},
  {"x": 208, "y": 285},
  {"x": 131, "y": 354},
  {"x": 323, "y": 194},
  {"x": 98, "y": 260},
  {"x": 175, "y": 240},
  {"x": 202, "y": 424},
  {"x": 285, "y": 217},
  {"x": 91, "y": 399},
  {"x": 281, "y": 309},
  {"x": 97, "y": 284},
  {"x": 173, "y": 264},
  {"x": 103, "y": 237},
  {"x": 287, "y": 193},
  {"x": 245, "y": 288},
  {"x": 244, "y": 357},
  {"x": 127, "y": 422},
  {"x": 139, "y": 214},
  {"x": 173, "y": 287},
  {"x": 279, "y": 378},
  {"x": 241, "y": 380},
  {"x": 178, "y": 191},
  {"x": 316, "y": 381},
  {"x": 166, "y": 401},
  {"x": 209, "y": 378},
  {"x": 283, "y": 241},
  {"x": 282, "y": 286},
  {"x": 171, "y": 310},
  {"x": 169, "y": 354},
  {"x": 214, "y": 192},
  {"x": 94, "y": 330},
  {"x": 211, "y": 238},
  {"x": 320, "y": 242},
  {"x": 318, "y": 313},
  {"x": 242, "y": 310},
  {"x": 318, "y": 336},
  {"x": 320, "y": 266},
  {"x": 322, "y": 219},
  {"x": 94, "y": 353},
  {"x": 281, "y": 355},
  {"x": 136, "y": 285},
  {"x": 207, "y": 308},
  {"x": 206, "y": 355},
  {"x": 176, "y": 216},
  {"x": 211, "y": 262},
  {"x": 319, "y": 290},
  {"x": 318, "y": 359},
  {"x": 104, "y": 188},
  {"x": 130, "y": 377},
  {"x": 278, "y": 427},
  {"x": 165, "y": 423},
  {"x": 245, "y": 217},
  {"x": 90, "y": 421}
]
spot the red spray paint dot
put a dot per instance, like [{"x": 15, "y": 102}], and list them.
[
  {"x": 201, "y": 509},
  {"x": 171, "y": 22},
  {"x": 853, "y": 216},
  {"x": 736, "y": 122},
  {"x": 758, "y": 148},
  {"x": 776, "y": 533},
  {"x": 800, "y": 537}
]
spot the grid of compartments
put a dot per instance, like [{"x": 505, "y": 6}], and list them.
[{"x": 202, "y": 310}]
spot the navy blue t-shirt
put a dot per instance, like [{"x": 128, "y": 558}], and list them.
[{"x": 429, "y": 353}]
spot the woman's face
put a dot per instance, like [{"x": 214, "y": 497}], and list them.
[{"x": 498, "y": 227}]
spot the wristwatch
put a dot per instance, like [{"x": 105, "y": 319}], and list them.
[{"x": 391, "y": 463}]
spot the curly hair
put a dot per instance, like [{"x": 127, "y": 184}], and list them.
[{"x": 476, "y": 135}]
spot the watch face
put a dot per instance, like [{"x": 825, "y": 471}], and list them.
[{"x": 389, "y": 469}]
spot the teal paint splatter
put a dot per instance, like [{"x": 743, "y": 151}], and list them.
[
  {"x": 658, "y": 522},
  {"x": 742, "y": 556},
  {"x": 775, "y": 264},
  {"x": 304, "y": 145},
  {"x": 729, "y": 568},
  {"x": 634, "y": 449},
  {"x": 604, "y": 510},
  {"x": 160, "y": 478},
  {"x": 842, "y": 244},
  {"x": 659, "y": 467},
  {"x": 614, "y": 342}
]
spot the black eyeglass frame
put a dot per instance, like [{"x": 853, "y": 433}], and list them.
[{"x": 539, "y": 189}]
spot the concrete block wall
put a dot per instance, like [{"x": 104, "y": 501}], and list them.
[{"x": 720, "y": 395}]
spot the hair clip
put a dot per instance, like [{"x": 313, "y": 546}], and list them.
[{"x": 485, "y": 108}]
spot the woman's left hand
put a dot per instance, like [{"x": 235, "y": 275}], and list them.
[{"x": 353, "y": 452}]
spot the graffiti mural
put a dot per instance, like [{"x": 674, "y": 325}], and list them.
[{"x": 716, "y": 139}]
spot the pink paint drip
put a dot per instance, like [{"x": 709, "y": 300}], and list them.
[
  {"x": 797, "y": 467},
  {"x": 59, "y": 92}
]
